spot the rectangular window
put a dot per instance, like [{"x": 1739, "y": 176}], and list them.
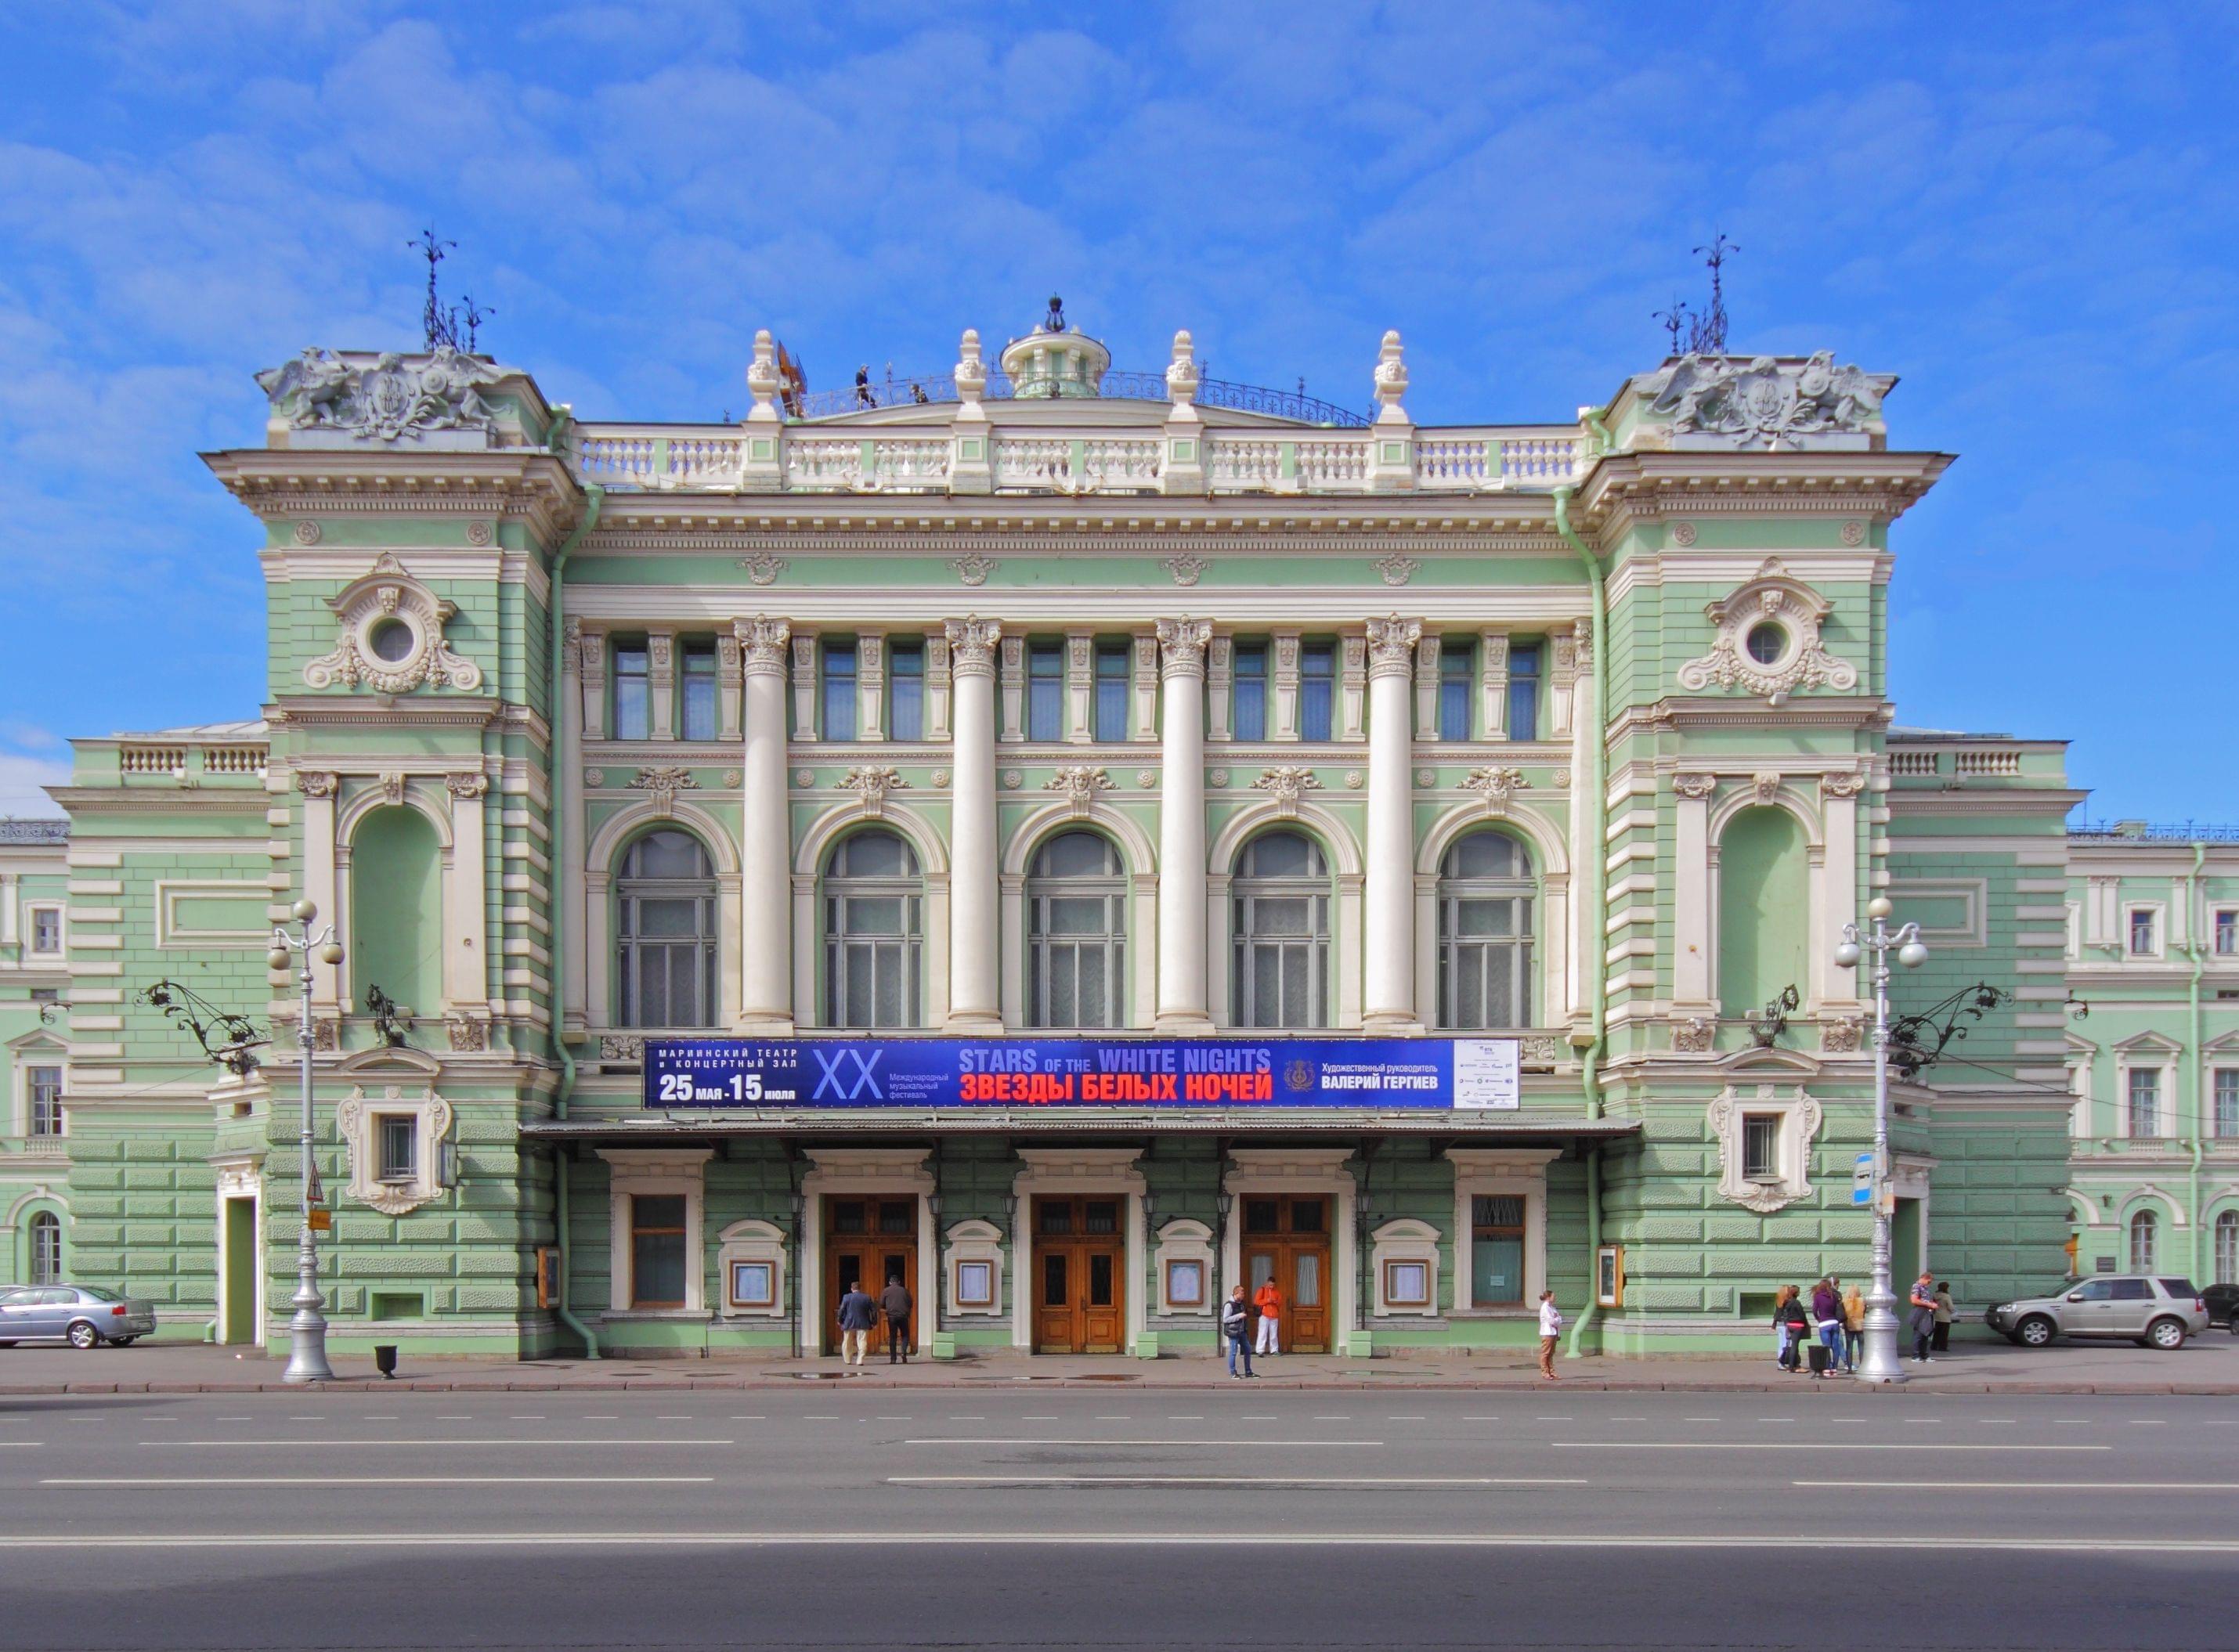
[
  {"x": 1248, "y": 692},
  {"x": 975, "y": 1285},
  {"x": 906, "y": 690},
  {"x": 754, "y": 1285},
  {"x": 44, "y": 1088},
  {"x": 399, "y": 1143},
  {"x": 2143, "y": 1102},
  {"x": 633, "y": 691},
  {"x": 1497, "y": 1250},
  {"x": 1456, "y": 688},
  {"x": 1524, "y": 693},
  {"x": 1407, "y": 1285},
  {"x": 1044, "y": 692},
  {"x": 1110, "y": 690},
  {"x": 2227, "y": 933},
  {"x": 1760, "y": 1147},
  {"x": 698, "y": 719},
  {"x": 840, "y": 691},
  {"x": 656, "y": 1250},
  {"x": 1609, "y": 1276},
  {"x": 1186, "y": 1285},
  {"x": 2227, "y": 1101},
  {"x": 1317, "y": 689},
  {"x": 2142, "y": 932},
  {"x": 46, "y": 929}
]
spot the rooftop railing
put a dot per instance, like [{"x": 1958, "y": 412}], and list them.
[
  {"x": 33, "y": 829},
  {"x": 2156, "y": 831},
  {"x": 927, "y": 389}
]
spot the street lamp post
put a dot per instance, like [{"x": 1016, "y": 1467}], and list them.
[
  {"x": 306, "y": 1331},
  {"x": 1880, "y": 1363}
]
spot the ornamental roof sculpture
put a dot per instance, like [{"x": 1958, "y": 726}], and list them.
[
  {"x": 321, "y": 394},
  {"x": 1718, "y": 402}
]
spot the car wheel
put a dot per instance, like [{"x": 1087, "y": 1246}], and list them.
[
  {"x": 2034, "y": 1333},
  {"x": 2167, "y": 1335},
  {"x": 82, "y": 1335}
]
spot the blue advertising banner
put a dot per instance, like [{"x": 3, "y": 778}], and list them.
[{"x": 815, "y": 1072}]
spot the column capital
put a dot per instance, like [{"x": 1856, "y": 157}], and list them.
[
  {"x": 1391, "y": 645},
  {"x": 972, "y": 645},
  {"x": 1182, "y": 645},
  {"x": 763, "y": 641},
  {"x": 319, "y": 783}
]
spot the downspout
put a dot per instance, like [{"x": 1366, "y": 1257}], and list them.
[
  {"x": 1593, "y": 930},
  {"x": 2193, "y": 914},
  {"x": 594, "y": 501}
]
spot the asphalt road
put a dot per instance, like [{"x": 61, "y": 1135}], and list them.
[{"x": 1008, "y": 1517}]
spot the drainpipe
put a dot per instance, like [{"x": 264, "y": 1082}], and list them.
[
  {"x": 1593, "y": 930},
  {"x": 2193, "y": 914},
  {"x": 594, "y": 501}
]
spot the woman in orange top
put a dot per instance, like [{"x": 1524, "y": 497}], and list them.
[{"x": 1269, "y": 1301}]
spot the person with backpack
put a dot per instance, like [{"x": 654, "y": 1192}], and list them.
[
  {"x": 1827, "y": 1318},
  {"x": 1236, "y": 1317}
]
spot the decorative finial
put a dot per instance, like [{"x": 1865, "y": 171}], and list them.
[
  {"x": 1054, "y": 321},
  {"x": 1181, "y": 372},
  {"x": 763, "y": 379},
  {"x": 1391, "y": 380}
]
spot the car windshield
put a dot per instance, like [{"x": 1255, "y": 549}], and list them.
[
  {"x": 2179, "y": 1287},
  {"x": 98, "y": 1294},
  {"x": 14, "y": 1295}
]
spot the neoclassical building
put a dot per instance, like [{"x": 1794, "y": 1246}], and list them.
[{"x": 1075, "y": 840}]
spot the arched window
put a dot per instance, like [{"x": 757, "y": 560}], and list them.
[
  {"x": 2145, "y": 1232},
  {"x": 1763, "y": 909},
  {"x": 2226, "y": 1248},
  {"x": 396, "y": 930},
  {"x": 1076, "y": 934},
  {"x": 46, "y": 1249},
  {"x": 665, "y": 932},
  {"x": 1485, "y": 933},
  {"x": 873, "y": 968},
  {"x": 1282, "y": 916}
]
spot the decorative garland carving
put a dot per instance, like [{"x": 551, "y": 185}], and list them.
[
  {"x": 1695, "y": 1035},
  {"x": 1396, "y": 569},
  {"x": 871, "y": 783},
  {"x": 392, "y": 637},
  {"x": 661, "y": 784},
  {"x": 387, "y": 401},
  {"x": 1697, "y": 787},
  {"x": 1082, "y": 784},
  {"x": 1773, "y": 597},
  {"x": 1186, "y": 569},
  {"x": 1285, "y": 784},
  {"x": 1495, "y": 786}
]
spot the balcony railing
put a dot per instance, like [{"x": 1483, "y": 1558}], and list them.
[
  {"x": 923, "y": 390},
  {"x": 185, "y": 762}
]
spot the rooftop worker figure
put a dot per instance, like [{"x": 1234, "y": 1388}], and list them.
[{"x": 863, "y": 396}]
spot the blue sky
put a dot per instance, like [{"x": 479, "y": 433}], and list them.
[{"x": 2028, "y": 213}]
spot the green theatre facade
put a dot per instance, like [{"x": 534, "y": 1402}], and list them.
[{"x": 1034, "y": 700}]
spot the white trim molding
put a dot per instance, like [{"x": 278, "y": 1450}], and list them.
[{"x": 656, "y": 1172}]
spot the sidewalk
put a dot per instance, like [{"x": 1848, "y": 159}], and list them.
[{"x": 2209, "y": 1364}]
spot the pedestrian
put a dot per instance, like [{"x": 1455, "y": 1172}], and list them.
[
  {"x": 1236, "y": 1317},
  {"x": 895, "y": 1302},
  {"x": 1780, "y": 1326},
  {"x": 858, "y": 1313},
  {"x": 1922, "y": 1317},
  {"x": 1827, "y": 1316},
  {"x": 1940, "y": 1339},
  {"x": 1796, "y": 1323},
  {"x": 1269, "y": 1301},
  {"x": 1854, "y": 1327},
  {"x": 1550, "y": 1330}
]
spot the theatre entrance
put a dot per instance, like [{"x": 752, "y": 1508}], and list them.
[
  {"x": 867, "y": 1240},
  {"x": 1286, "y": 1238},
  {"x": 1080, "y": 1274}
]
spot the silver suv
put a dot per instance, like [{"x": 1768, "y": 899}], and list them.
[{"x": 2157, "y": 1311}]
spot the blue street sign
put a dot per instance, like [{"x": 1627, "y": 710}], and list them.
[{"x": 1862, "y": 1180}]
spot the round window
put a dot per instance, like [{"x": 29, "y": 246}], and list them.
[
  {"x": 1766, "y": 643},
  {"x": 391, "y": 641}
]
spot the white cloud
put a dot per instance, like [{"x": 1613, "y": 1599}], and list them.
[{"x": 23, "y": 781}]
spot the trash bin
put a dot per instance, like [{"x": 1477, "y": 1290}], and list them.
[{"x": 384, "y": 1359}]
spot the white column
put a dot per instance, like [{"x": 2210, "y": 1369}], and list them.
[
  {"x": 319, "y": 879},
  {"x": 974, "y": 951},
  {"x": 1182, "y": 1007},
  {"x": 1691, "y": 893},
  {"x": 1388, "y": 1004},
  {"x": 574, "y": 828},
  {"x": 766, "y": 870},
  {"x": 660, "y": 682},
  {"x": 1838, "y": 803},
  {"x": 465, "y": 913}
]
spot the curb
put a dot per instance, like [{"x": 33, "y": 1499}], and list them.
[{"x": 712, "y": 1384}]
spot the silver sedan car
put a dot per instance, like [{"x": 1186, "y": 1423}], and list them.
[
  {"x": 2159, "y": 1311},
  {"x": 82, "y": 1316}
]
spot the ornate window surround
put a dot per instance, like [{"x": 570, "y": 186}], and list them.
[
  {"x": 358, "y": 1120},
  {"x": 1405, "y": 1239},
  {"x": 976, "y": 1241},
  {"x": 657, "y": 1170},
  {"x": 1518, "y": 1172},
  {"x": 384, "y": 596},
  {"x": 754, "y": 1242},
  {"x": 1799, "y": 1118},
  {"x": 1184, "y": 1239},
  {"x": 1775, "y": 597}
]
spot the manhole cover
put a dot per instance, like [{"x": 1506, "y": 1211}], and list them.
[{"x": 818, "y": 1376}]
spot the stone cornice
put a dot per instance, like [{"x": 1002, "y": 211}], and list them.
[
  {"x": 1849, "y": 712},
  {"x": 1629, "y": 487},
  {"x": 159, "y": 800},
  {"x": 523, "y": 483},
  {"x": 388, "y": 710},
  {"x": 2053, "y": 802}
]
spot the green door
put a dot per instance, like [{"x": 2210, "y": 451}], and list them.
[
  {"x": 240, "y": 1266},
  {"x": 1905, "y": 1262}
]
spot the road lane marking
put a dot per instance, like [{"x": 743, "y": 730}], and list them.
[
  {"x": 1191, "y": 1446},
  {"x": 2023, "y": 1485},
  {"x": 392, "y": 1444},
  {"x": 1115, "y": 1417},
  {"x": 1212, "y": 1480},
  {"x": 1787, "y": 1445},
  {"x": 1407, "y": 1419},
  {"x": 408, "y": 1480},
  {"x": 2090, "y": 1544},
  {"x": 21, "y": 1445}
]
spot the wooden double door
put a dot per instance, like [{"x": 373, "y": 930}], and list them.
[
  {"x": 1286, "y": 1238},
  {"x": 1080, "y": 1275},
  {"x": 867, "y": 1240}
]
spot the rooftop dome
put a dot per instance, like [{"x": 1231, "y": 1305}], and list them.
[{"x": 1055, "y": 361}]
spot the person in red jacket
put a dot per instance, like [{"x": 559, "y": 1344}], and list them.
[{"x": 1269, "y": 1302}]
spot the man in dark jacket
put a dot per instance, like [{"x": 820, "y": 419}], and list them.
[
  {"x": 858, "y": 1313},
  {"x": 1236, "y": 1320},
  {"x": 895, "y": 1302}
]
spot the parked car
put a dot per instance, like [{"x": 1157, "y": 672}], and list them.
[
  {"x": 2159, "y": 1311},
  {"x": 82, "y": 1316},
  {"x": 2223, "y": 1303}
]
